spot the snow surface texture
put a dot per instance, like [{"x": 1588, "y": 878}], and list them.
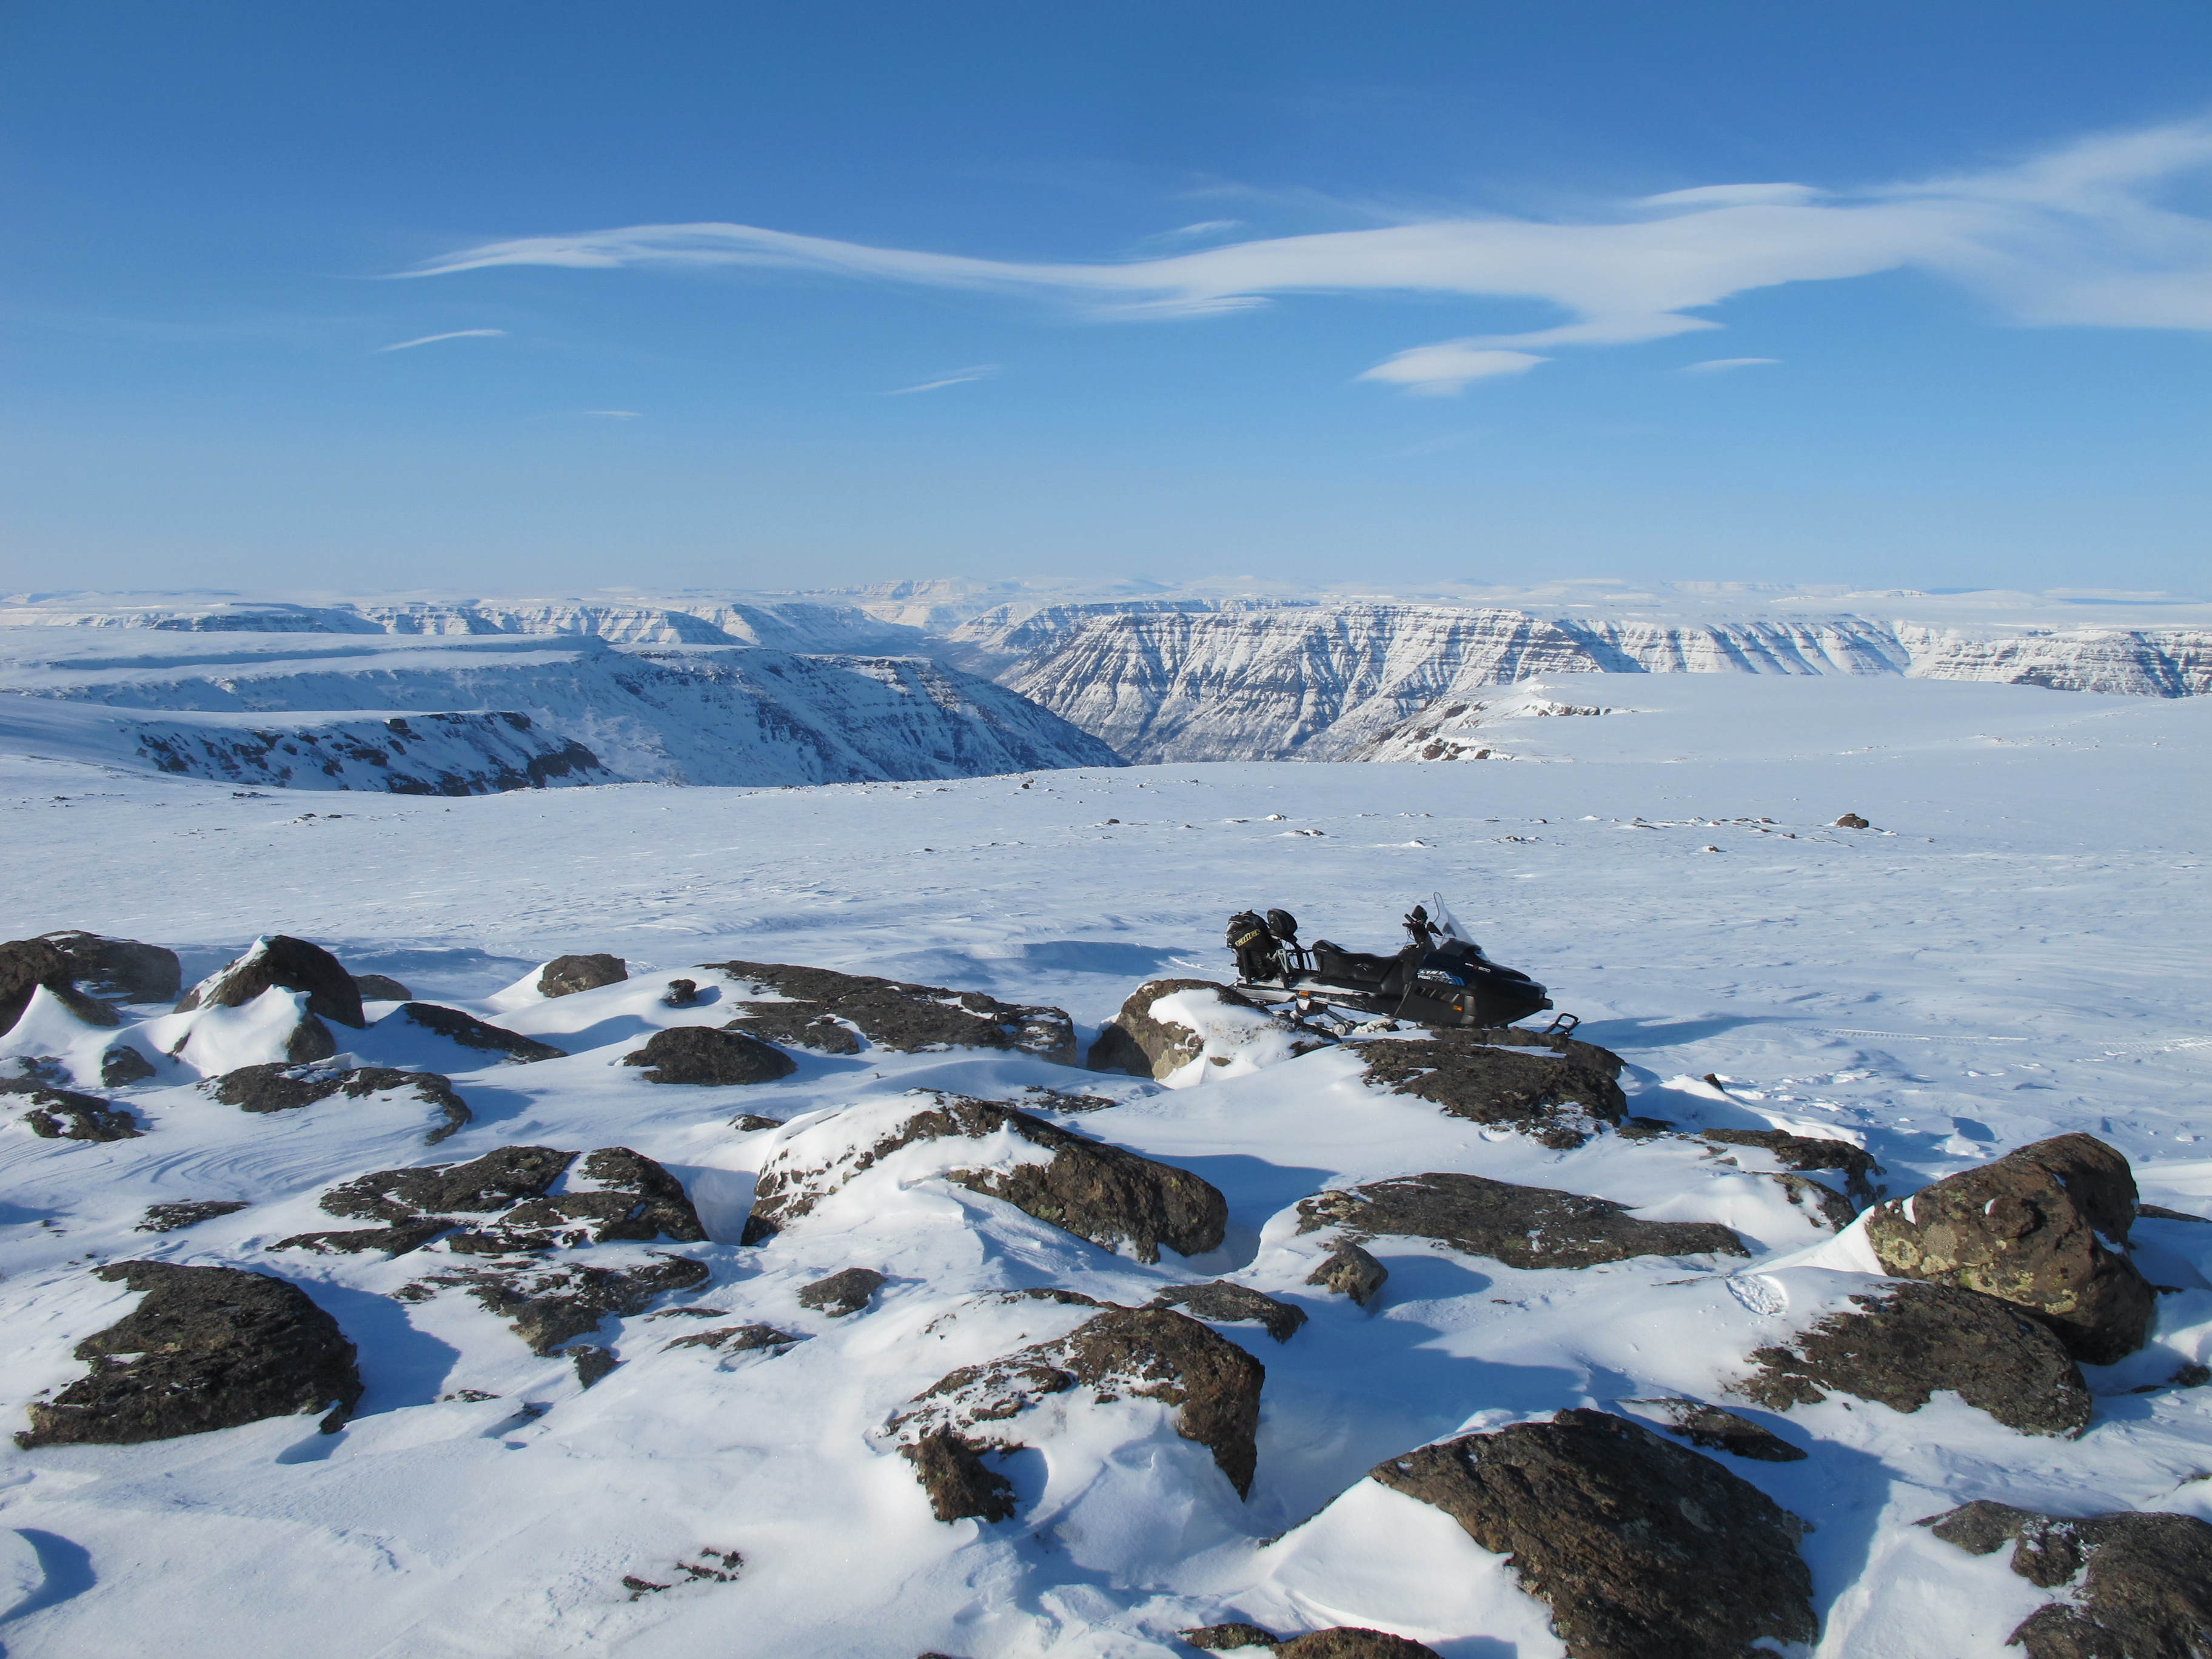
[
  {"x": 460, "y": 713},
  {"x": 2017, "y": 948}
]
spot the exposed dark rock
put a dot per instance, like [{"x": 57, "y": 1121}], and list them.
[
  {"x": 753, "y": 1122},
  {"x": 207, "y": 1348},
  {"x": 491, "y": 1183},
  {"x": 1150, "y": 1353},
  {"x": 735, "y": 1339},
  {"x": 1802, "y": 1153},
  {"x": 121, "y": 1066},
  {"x": 190, "y": 1213},
  {"x": 310, "y": 1041},
  {"x": 2139, "y": 1586},
  {"x": 564, "y": 976},
  {"x": 1097, "y": 1192},
  {"x": 398, "y": 1239},
  {"x": 1642, "y": 1550},
  {"x": 592, "y": 1362},
  {"x": 1036, "y": 1097},
  {"x": 290, "y": 964},
  {"x": 701, "y": 1055},
  {"x": 382, "y": 988},
  {"x": 2032, "y": 1228},
  {"x": 1825, "y": 1202},
  {"x": 799, "y": 1024},
  {"x": 120, "y": 968},
  {"x": 841, "y": 1293},
  {"x": 66, "y": 1115},
  {"x": 1521, "y": 1226},
  {"x": 25, "y": 965},
  {"x": 1910, "y": 1341},
  {"x": 682, "y": 993},
  {"x": 1554, "y": 1088},
  {"x": 2159, "y": 1213},
  {"x": 1350, "y": 1271},
  {"x": 1353, "y": 1642},
  {"x": 629, "y": 1196},
  {"x": 1224, "y": 1303},
  {"x": 952, "y": 1473},
  {"x": 1145, "y": 1042},
  {"x": 547, "y": 1304},
  {"x": 473, "y": 1033},
  {"x": 1721, "y": 1431},
  {"x": 908, "y": 1018},
  {"x": 277, "y": 1086},
  {"x": 1220, "y": 1638}
]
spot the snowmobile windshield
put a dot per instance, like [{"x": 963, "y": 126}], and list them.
[{"x": 1447, "y": 924}]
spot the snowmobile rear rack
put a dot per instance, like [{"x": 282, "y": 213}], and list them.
[{"x": 1440, "y": 977}]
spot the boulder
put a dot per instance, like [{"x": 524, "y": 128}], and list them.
[
  {"x": 1350, "y": 1271},
  {"x": 841, "y": 1293},
  {"x": 893, "y": 1014},
  {"x": 1353, "y": 1642},
  {"x": 1224, "y": 1303},
  {"x": 738, "y": 1339},
  {"x": 291, "y": 964},
  {"x": 66, "y": 1115},
  {"x": 1221, "y": 1639},
  {"x": 473, "y": 1033},
  {"x": 621, "y": 1194},
  {"x": 797, "y": 1025},
  {"x": 2138, "y": 1586},
  {"x": 2044, "y": 1228},
  {"x": 495, "y": 1181},
  {"x": 382, "y": 988},
  {"x": 1715, "y": 1430},
  {"x": 1166, "y": 1024},
  {"x": 121, "y": 1066},
  {"x": 1909, "y": 1340},
  {"x": 952, "y": 1473},
  {"x": 681, "y": 994},
  {"x": 1552, "y": 1088},
  {"x": 1801, "y": 1152},
  {"x": 207, "y": 1348},
  {"x": 1150, "y": 1353},
  {"x": 593, "y": 1363},
  {"x": 187, "y": 1212},
  {"x": 119, "y": 967},
  {"x": 548, "y": 1306},
  {"x": 278, "y": 1086},
  {"x": 27, "y": 964},
  {"x": 1521, "y": 1226},
  {"x": 1852, "y": 821},
  {"x": 1097, "y": 1192},
  {"x": 564, "y": 976},
  {"x": 701, "y": 1055},
  {"x": 1641, "y": 1549},
  {"x": 1834, "y": 1210}
]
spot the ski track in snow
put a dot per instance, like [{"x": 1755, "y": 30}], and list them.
[{"x": 2018, "y": 949}]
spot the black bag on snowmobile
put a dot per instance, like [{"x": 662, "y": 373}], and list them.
[{"x": 1254, "y": 946}]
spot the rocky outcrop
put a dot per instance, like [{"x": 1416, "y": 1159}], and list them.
[
  {"x": 1351, "y": 1272},
  {"x": 891, "y": 1013},
  {"x": 290, "y": 964},
  {"x": 279, "y": 1086},
  {"x": 207, "y": 1348},
  {"x": 702, "y": 1055},
  {"x": 738, "y": 1339},
  {"x": 1642, "y": 1550},
  {"x": 121, "y": 1066},
  {"x": 564, "y": 976},
  {"x": 1149, "y": 1353},
  {"x": 1166, "y": 1024},
  {"x": 2044, "y": 1228},
  {"x": 549, "y": 1304},
  {"x": 1223, "y": 1638},
  {"x": 841, "y": 1293},
  {"x": 1224, "y": 1303},
  {"x": 1798, "y": 1153},
  {"x": 1521, "y": 1226},
  {"x": 619, "y": 1194},
  {"x": 473, "y": 1033},
  {"x": 187, "y": 1212},
  {"x": 27, "y": 965},
  {"x": 2136, "y": 1586},
  {"x": 960, "y": 1485},
  {"x": 66, "y": 1115},
  {"x": 1111, "y": 1197},
  {"x": 119, "y": 967},
  {"x": 382, "y": 988},
  {"x": 1554, "y": 1088},
  {"x": 1342, "y": 1642},
  {"x": 1715, "y": 1430},
  {"x": 1909, "y": 1342}
]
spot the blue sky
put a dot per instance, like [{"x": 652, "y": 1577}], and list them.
[{"x": 542, "y": 297}]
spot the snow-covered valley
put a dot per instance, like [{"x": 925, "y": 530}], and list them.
[{"x": 2013, "y": 949}]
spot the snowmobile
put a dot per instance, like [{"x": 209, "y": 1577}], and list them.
[{"x": 1439, "y": 978}]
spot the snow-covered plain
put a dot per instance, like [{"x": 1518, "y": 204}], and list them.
[{"x": 2018, "y": 948}]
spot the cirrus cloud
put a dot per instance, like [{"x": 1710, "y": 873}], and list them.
[
  {"x": 2073, "y": 237},
  {"x": 433, "y": 339}
]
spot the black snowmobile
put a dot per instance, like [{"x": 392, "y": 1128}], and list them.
[{"x": 1438, "y": 977}]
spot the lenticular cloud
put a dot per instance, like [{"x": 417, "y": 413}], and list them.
[{"x": 2073, "y": 237}]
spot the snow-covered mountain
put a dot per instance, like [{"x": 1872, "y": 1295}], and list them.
[
  {"x": 466, "y": 713},
  {"x": 1175, "y": 679}
]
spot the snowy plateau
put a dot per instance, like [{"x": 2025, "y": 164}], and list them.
[{"x": 676, "y": 1368}]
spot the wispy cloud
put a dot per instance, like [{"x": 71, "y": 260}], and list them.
[
  {"x": 433, "y": 339},
  {"x": 958, "y": 376},
  {"x": 617, "y": 414},
  {"x": 2073, "y": 237},
  {"x": 1722, "y": 365}
]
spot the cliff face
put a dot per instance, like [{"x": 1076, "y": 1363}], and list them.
[{"x": 1196, "y": 680}]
